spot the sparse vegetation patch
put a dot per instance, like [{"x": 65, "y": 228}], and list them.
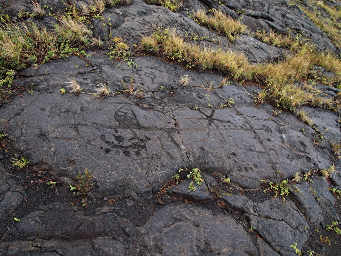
[
  {"x": 329, "y": 24},
  {"x": 219, "y": 22},
  {"x": 83, "y": 186},
  {"x": 275, "y": 39},
  {"x": 334, "y": 226},
  {"x": 194, "y": 175},
  {"x": 279, "y": 79},
  {"x": 20, "y": 163},
  {"x": 172, "y": 5},
  {"x": 22, "y": 46},
  {"x": 278, "y": 189}
]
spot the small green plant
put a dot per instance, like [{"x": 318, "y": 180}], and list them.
[
  {"x": 334, "y": 227},
  {"x": 297, "y": 251},
  {"x": 311, "y": 253},
  {"x": 307, "y": 176},
  {"x": 279, "y": 189},
  {"x": 20, "y": 163},
  {"x": 177, "y": 178},
  {"x": 336, "y": 192},
  {"x": 16, "y": 219},
  {"x": 8, "y": 77},
  {"x": 325, "y": 240},
  {"x": 228, "y": 103},
  {"x": 84, "y": 184},
  {"x": 62, "y": 91},
  {"x": 197, "y": 179},
  {"x": 327, "y": 172},
  {"x": 251, "y": 229},
  {"x": 227, "y": 180},
  {"x": 51, "y": 183},
  {"x": 3, "y": 135},
  {"x": 172, "y": 5},
  {"x": 119, "y": 50}
]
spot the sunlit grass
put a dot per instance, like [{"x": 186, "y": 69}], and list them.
[
  {"x": 278, "y": 79},
  {"x": 220, "y": 22}
]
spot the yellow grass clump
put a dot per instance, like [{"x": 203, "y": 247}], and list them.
[
  {"x": 278, "y": 79},
  {"x": 221, "y": 23}
]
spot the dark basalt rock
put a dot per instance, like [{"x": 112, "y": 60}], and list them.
[{"x": 133, "y": 144}]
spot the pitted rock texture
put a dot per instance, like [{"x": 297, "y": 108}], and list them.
[{"x": 135, "y": 142}]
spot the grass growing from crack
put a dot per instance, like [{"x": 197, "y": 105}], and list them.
[
  {"x": 20, "y": 163},
  {"x": 27, "y": 44},
  {"x": 296, "y": 45},
  {"x": 330, "y": 24},
  {"x": 219, "y": 22},
  {"x": 297, "y": 250},
  {"x": 23, "y": 46},
  {"x": 172, "y": 5},
  {"x": 173, "y": 47},
  {"x": 119, "y": 50},
  {"x": 278, "y": 79},
  {"x": 336, "y": 148},
  {"x": 275, "y": 39},
  {"x": 91, "y": 8},
  {"x": 278, "y": 189},
  {"x": 334, "y": 227},
  {"x": 227, "y": 104},
  {"x": 324, "y": 59},
  {"x": 96, "y": 7},
  {"x": 194, "y": 175},
  {"x": 83, "y": 186},
  {"x": 103, "y": 91},
  {"x": 185, "y": 80},
  {"x": 197, "y": 179},
  {"x": 304, "y": 117},
  {"x": 336, "y": 192},
  {"x": 74, "y": 86}
]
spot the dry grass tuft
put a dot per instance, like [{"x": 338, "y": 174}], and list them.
[
  {"x": 329, "y": 62},
  {"x": 172, "y": 5},
  {"x": 330, "y": 25},
  {"x": 272, "y": 38},
  {"x": 103, "y": 91},
  {"x": 38, "y": 11},
  {"x": 300, "y": 47},
  {"x": 95, "y": 7},
  {"x": 24, "y": 45},
  {"x": 279, "y": 79},
  {"x": 334, "y": 13},
  {"x": 185, "y": 80},
  {"x": 168, "y": 44},
  {"x": 21, "y": 46},
  {"x": 220, "y": 22},
  {"x": 304, "y": 117},
  {"x": 72, "y": 30},
  {"x": 75, "y": 87},
  {"x": 119, "y": 50}
]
